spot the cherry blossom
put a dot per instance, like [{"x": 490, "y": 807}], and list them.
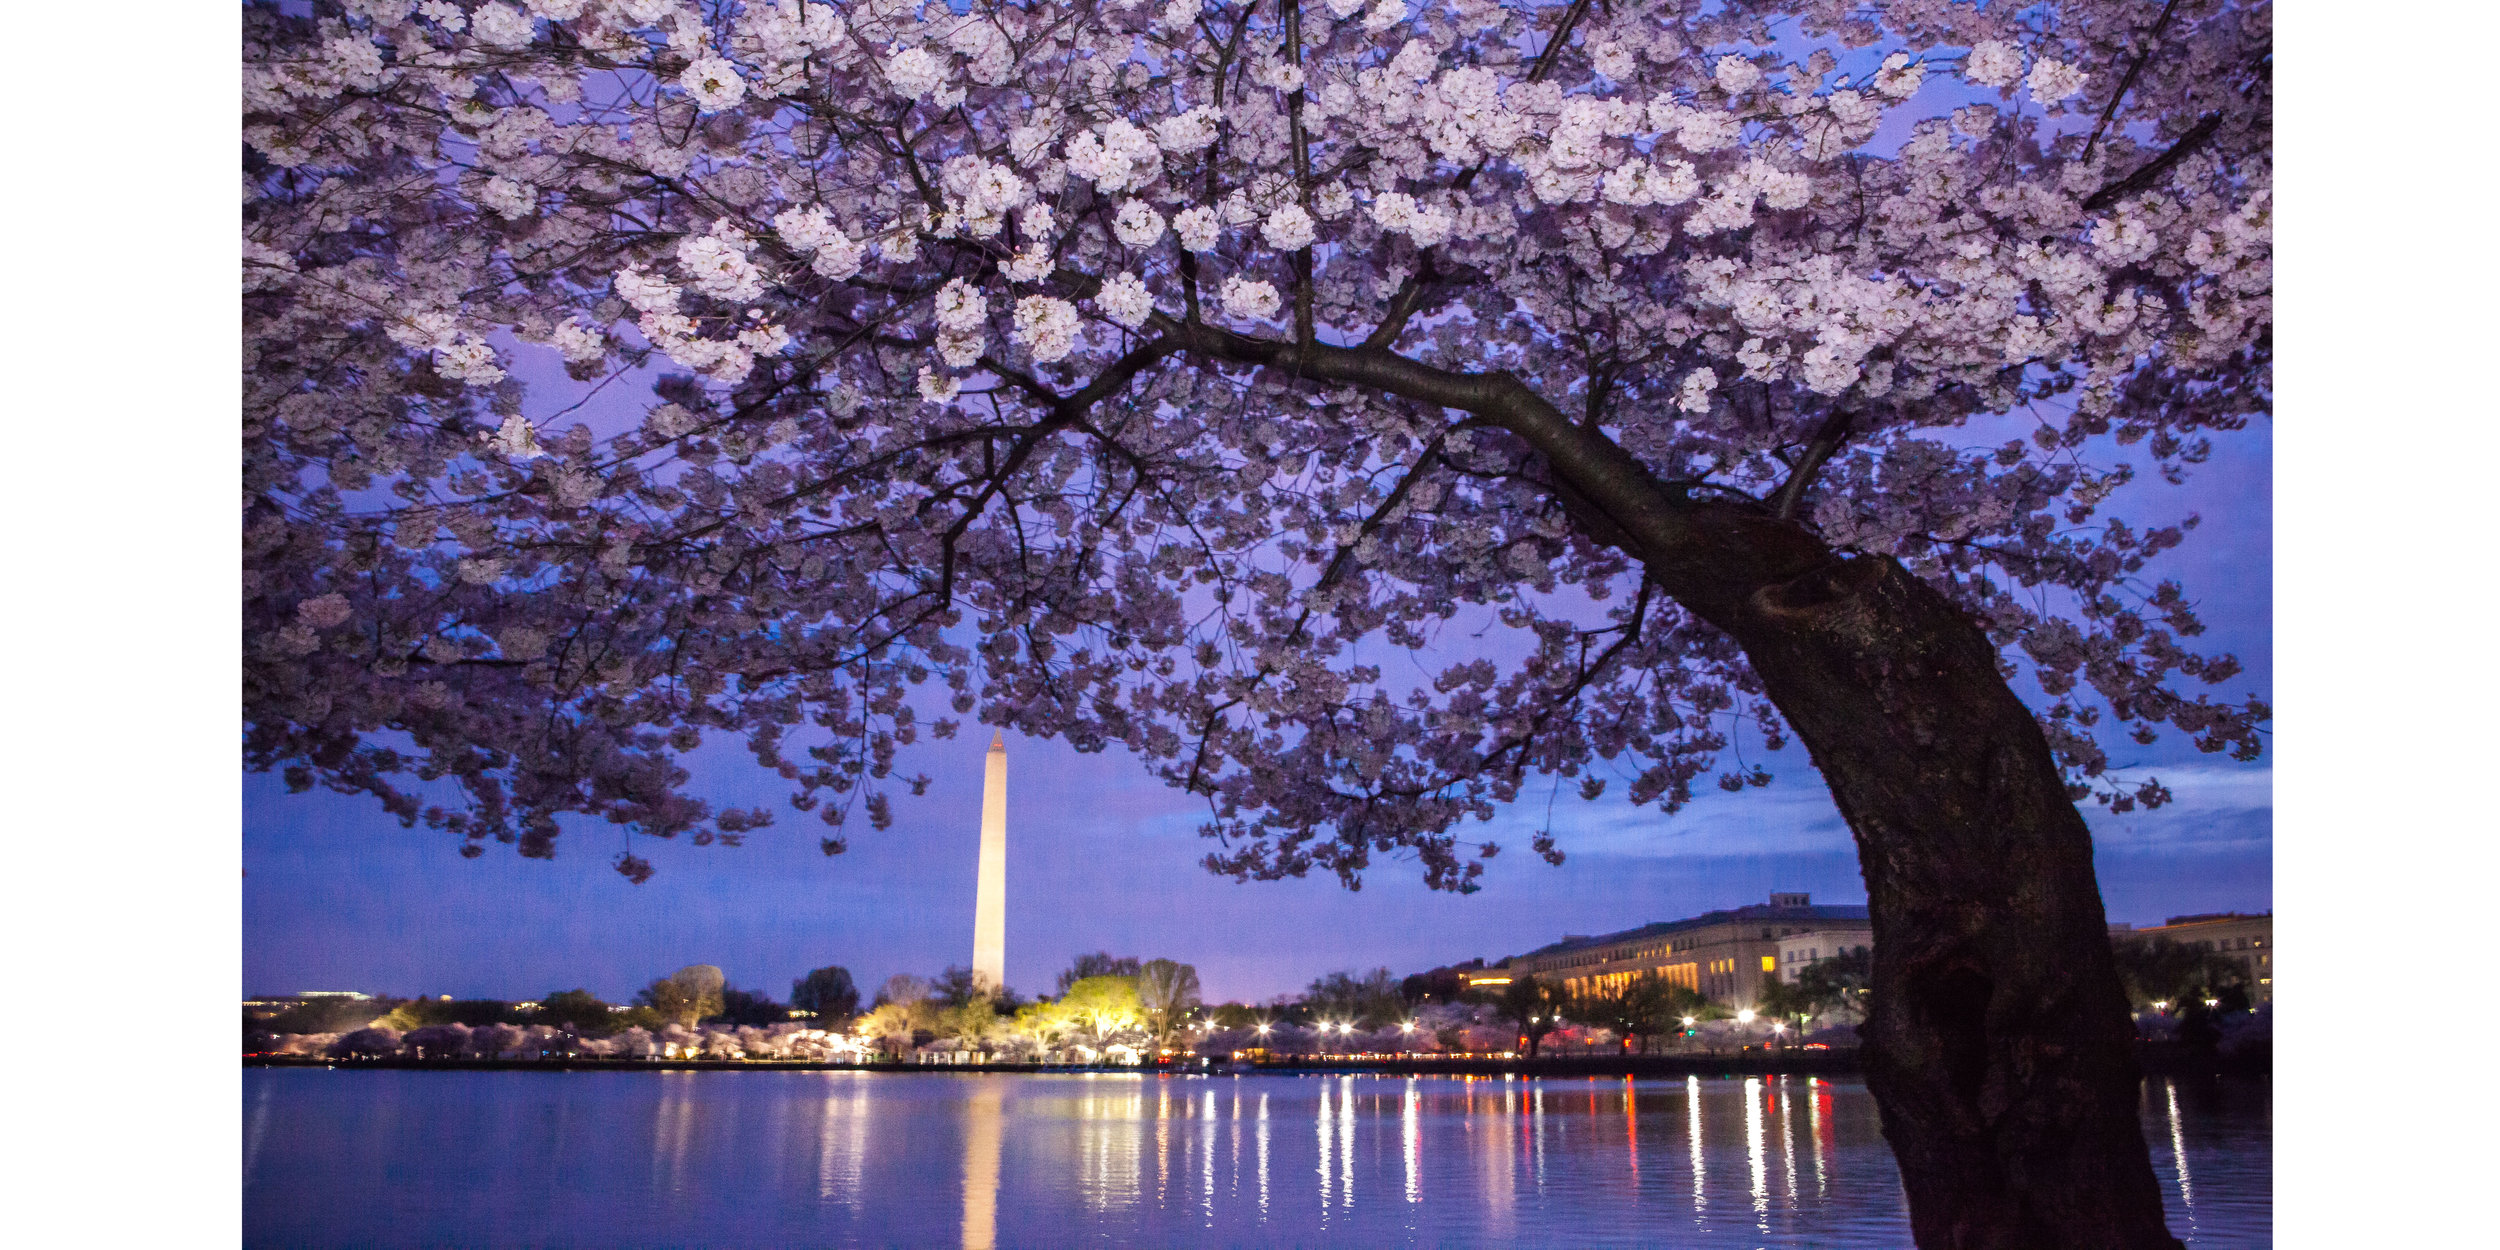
[
  {"x": 1249, "y": 297},
  {"x": 1518, "y": 386},
  {"x": 1137, "y": 224},
  {"x": 1046, "y": 326}
]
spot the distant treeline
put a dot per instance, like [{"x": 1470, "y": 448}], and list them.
[{"x": 1121, "y": 1008}]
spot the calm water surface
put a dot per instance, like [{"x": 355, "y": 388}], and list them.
[{"x": 393, "y": 1158}]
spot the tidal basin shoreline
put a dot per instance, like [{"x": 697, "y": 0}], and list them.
[{"x": 2155, "y": 1058}]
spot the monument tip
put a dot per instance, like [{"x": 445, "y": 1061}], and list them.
[{"x": 998, "y": 741}]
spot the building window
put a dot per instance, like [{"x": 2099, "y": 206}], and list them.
[{"x": 1769, "y": 964}]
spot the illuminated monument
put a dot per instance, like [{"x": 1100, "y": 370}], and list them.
[{"x": 989, "y": 914}]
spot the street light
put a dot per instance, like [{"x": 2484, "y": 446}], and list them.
[{"x": 1745, "y": 1016}]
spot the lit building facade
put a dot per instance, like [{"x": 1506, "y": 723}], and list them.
[
  {"x": 1726, "y": 955},
  {"x": 2243, "y": 939},
  {"x": 1823, "y": 942}
]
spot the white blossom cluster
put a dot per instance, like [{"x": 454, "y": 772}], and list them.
[
  {"x": 915, "y": 73},
  {"x": 1189, "y": 132},
  {"x": 2053, "y": 79},
  {"x": 502, "y": 25},
  {"x": 714, "y": 84},
  {"x": 1117, "y": 157},
  {"x": 1396, "y": 211},
  {"x": 1249, "y": 297},
  {"x": 580, "y": 342},
  {"x": 717, "y": 263},
  {"x": 1137, "y": 224},
  {"x": 1198, "y": 227},
  {"x": 508, "y": 197},
  {"x": 1994, "y": 63},
  {"x": 980, "y": 196},
  {"x": 962, "y": 315},
  {"x": 1046, "y": 326},
  {"x": 1125, "y": 300},
  {"x": 1290, "y": 228},
  {"x": 811, "y": 232}
]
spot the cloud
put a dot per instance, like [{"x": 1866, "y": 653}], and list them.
[{"x": 2213, "y": 807}]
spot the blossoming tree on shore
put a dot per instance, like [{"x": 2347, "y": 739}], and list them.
[{"x": 1206, "y": 378}]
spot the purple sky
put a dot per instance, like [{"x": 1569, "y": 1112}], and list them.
[{"x": 338, "y": 896}]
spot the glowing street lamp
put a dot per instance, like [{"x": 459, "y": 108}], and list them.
[
  {"x": 1745, "y": 1016},
  {"x": 1263, "y": 1030}
]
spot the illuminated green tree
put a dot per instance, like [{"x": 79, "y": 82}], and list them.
[
  {"x": 686, "y": 995},
  {"x": 1102, "y": 1008}
]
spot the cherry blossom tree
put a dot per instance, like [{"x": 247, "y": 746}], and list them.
[{"x": 1359, "y": 410}]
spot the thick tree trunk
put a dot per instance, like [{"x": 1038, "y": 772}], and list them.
[{"x": 1997, "y": 1043}]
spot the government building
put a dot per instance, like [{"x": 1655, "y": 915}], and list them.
[
  {"x": 1726, "y": 955},
  {"x": 2243, "y": 939}
]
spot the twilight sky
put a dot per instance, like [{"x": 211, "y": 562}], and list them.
[{"x": 338, "y": 896}]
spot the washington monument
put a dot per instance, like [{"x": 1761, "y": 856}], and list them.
[{"x": 989, "y": 913}]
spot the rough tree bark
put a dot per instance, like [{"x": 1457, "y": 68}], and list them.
[{"x": 1997, "y": 1043}]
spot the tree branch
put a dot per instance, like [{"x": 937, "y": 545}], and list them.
[
  {"x": 1827, "y": 439},
  {"x": 2125, "y": 84},
  {"x": 1303, "y": 329},
  {"x": 1403, "y": 306},
  {"x": 1064, "y": 411},
  {"x": 2152, "y": 170},
  {"x": 1536, "y": 73},
  {"x": 1660, "y": 524}
]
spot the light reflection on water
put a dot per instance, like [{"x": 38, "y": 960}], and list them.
[{"x": 722, "y": 1158}]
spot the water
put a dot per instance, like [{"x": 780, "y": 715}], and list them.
[{"x": 407, "y": 1158}]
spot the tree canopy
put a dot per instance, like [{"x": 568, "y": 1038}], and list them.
[
  {"x": 828, "y": 992},
  {"x": 1367, "y": 1000},
  {"x": 686, "y": 995},
  {"x": 1359, "y": 411},
  {"x": 1097, "y": 964},
  {"x": 1152, "y": 374},
  {"x": 1167, "y": 991}
]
